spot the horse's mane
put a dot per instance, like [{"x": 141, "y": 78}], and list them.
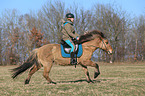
[{"x": 90, "y": 36}]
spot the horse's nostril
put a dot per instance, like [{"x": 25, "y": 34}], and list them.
[{"x": 110, "y": 52}]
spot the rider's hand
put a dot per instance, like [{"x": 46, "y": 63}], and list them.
[{"x": 78, "y": 38}]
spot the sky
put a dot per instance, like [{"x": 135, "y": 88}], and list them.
[{"x": 133, "y": 7}]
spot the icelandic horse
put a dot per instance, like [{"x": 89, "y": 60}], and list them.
[{"x": 48, "y": 54}]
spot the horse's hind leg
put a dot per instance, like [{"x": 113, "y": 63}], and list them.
[
  {"x": 46, "y": 73},
  {"x": 32, "y": 71}
]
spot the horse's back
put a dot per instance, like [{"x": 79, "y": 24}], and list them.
[
  {"x": 47, "y": 51},
  {"x": 48, "y": 47}
]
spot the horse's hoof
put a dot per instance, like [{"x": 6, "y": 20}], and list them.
[
  {"x": 96, "y": 74},
  {"x": 27, "y": 81},
  {"x": 52, "y": 82},
  {"x": 90, "y": 81}
]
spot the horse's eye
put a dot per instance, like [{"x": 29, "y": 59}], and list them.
[{"x": 106, "y": 42}]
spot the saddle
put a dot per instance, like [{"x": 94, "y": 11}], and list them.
[{"x": 65, "y": 49}]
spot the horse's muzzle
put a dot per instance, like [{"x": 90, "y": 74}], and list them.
[{"x": 110, "y": 52}]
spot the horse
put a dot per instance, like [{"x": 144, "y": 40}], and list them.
[{"x": 50, "y": 54}]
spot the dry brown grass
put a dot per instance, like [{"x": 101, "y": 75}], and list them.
[{"x": 123, "y": 79}]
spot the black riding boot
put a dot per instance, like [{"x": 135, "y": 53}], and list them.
[{"x": 73, "y": 60}]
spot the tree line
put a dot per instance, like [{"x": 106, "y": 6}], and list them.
[{"x": 20, "y": 34}]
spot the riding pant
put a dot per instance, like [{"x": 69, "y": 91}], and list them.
[{"x": 71, "y": 44}]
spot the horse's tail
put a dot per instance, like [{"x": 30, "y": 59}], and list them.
[{"x": 32, "y": 59}]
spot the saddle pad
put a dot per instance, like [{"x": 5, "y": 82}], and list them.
[{"x": 67, "y": 55}]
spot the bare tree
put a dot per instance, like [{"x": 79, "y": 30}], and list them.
[
  {"x": 138, "y": 29},
  {"x": 52, "y": 15},
  {"x": 0, "y": 44},
  {"x": 9, "y": 26},
  {"x": 19, "y": 34},
  {"x": 115, "y": 24}
]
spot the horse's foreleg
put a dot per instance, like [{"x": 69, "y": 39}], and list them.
[
  {"x": 32, "y": 71},
  {"x": 92, "y": 64},
  {"x": 46, "y": 73},
  {"x": 87, "y": 74},
  {"x": 97, "y": 70}
]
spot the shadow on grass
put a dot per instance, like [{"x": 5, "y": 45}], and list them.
[
  {"x": 79, "y": 81},
  {"x": 84, "y": 80}
]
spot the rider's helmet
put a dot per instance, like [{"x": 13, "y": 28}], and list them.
[{"x": 69, "y": 15}]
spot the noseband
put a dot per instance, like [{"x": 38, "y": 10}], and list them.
[{"x": 105, "y": 46}]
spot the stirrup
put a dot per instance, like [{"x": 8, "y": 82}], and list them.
[{"x": 73, "y": 62}]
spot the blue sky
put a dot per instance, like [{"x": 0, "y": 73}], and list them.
[{"x": 133, "y": 7}]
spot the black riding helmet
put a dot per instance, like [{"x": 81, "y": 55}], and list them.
[{"x": 69, "y": 15}]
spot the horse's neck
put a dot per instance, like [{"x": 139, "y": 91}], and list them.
[{"x": 90, "y": 45}]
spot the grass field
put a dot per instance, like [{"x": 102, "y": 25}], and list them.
[{"x": 115, "y": 80}]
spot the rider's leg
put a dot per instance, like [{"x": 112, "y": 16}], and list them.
[{"x": 72, "y": 45}]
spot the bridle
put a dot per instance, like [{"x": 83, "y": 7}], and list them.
[
  {"x": 105, "y": 46},
  {"x": 101, "y": 46}
]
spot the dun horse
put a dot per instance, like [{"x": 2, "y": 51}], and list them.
[{"x": 51, "y": 53}]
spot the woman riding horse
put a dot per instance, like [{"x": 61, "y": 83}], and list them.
[{"x": 69, "y": 34}]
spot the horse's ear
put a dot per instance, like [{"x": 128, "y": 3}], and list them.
[
  {"x": 100, "y": 37},
  {"x": 86, "y": 32},
  {"x": 101, "y": 33}
]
